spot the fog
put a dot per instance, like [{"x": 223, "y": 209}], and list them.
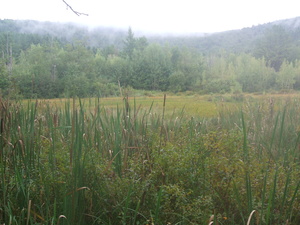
[{"x": 156, "y": 16}]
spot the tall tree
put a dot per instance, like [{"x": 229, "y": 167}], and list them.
[
  {"x": 130, "y": 44},
  {"x": 286, "y": 76},
  {"x": 253, "y": 74},
  {"x": 152, "y": 69},
  {"x": 187, "y": 68}
]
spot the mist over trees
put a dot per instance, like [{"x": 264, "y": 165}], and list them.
[{"x": 49, "y": 64}]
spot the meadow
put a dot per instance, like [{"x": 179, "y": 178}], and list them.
[{"x": 151, "y": 160}]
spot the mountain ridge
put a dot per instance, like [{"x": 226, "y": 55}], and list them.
[{"x": 240, "y": 40}]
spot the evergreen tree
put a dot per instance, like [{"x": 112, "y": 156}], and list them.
[{"x": 129, "y": 44}]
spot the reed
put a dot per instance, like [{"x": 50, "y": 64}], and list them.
[{"x": 80, "y": 162}]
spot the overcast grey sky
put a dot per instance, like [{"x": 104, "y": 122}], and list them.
[{"x": 156, "y": 15}]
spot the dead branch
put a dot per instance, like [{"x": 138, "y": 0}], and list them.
[{"x": 74, "y": 11}]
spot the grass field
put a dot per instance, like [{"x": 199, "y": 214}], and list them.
[
  {"x": 151, "y": 160},
  {"x": 196, "y": 106}
]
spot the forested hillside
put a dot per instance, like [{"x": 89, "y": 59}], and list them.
[{"x": 50, "y": 60}]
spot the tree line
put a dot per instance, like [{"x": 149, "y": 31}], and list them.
[{"x": 49, "y": 68}]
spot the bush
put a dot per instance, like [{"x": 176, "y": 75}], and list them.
[{"x": 218, "y": 86}]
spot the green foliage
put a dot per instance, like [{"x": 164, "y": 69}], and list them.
[
  {"x": 253, "y": 74},
  {"x": 177, "y": 82},
  {"x": 152, "y": 69},
  {"x": 40, "y": 66},
  {"x": 275, "y": 47},
  {"x": 81, "y": 163},
  {"x": 4, "y": 79},
  {"x": 130, "y": 43},
  {"x": 286, "y": 76},
  {"x": 218, "y": 86}
]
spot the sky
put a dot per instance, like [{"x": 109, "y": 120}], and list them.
[{"x": 156, "y": 16}]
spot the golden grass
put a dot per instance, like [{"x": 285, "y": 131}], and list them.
[
  {"x": 204, "y": 106},
  {"x": 198, "y": 106}
]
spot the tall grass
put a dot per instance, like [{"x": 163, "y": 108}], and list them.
[
  {"x": 273, "y": 136},
  {"x": 79, "y": 162}
]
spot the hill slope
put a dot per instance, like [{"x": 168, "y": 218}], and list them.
[{"x": 243, "y": 40}]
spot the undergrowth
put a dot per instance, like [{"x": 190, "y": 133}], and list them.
[{"x": 82, "y": 163}]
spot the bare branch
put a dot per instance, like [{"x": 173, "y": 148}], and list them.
[{"x": 74, "y": 11}]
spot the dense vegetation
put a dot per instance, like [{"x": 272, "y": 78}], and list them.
[
  {"x": 81, "y": 163},
  {"x": 49, "y": 66}
]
